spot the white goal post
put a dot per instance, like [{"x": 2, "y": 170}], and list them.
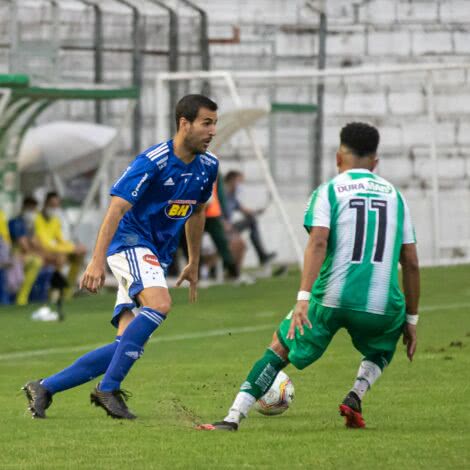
[{"x": 233, "y": 80}]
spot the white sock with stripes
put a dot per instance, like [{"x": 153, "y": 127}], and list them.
[{"x": 367, "y": 374}]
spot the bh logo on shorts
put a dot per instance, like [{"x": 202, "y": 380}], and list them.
[
  {"x": 179, "y": 209},
  {"x": 151, "y": 259}
]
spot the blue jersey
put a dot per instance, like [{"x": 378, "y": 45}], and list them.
[
  {"x": 17, "y": 228},
  {"x": 163, "y": 191}
]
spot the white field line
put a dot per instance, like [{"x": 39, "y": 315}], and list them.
[
  {"x": 188, "y": 336},
  {"x": 161, "y": 339}
]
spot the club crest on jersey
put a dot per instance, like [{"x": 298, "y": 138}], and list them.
[
  {"x": 151, "y": 259},
  {"x": 179, "y": 209}
]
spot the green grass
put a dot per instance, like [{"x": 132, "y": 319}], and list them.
[{"x": 418, "y": 415}]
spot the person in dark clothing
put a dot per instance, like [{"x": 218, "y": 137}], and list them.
[{"x": 233, "y": 181}]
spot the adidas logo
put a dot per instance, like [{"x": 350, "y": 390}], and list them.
[
  {"x": 169, "y": 182},
  {"x": 133, "y": 355}
]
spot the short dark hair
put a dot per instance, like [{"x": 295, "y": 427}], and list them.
[
  {"x": 189, "y": 106},
  {"x": 361, "y": 138},
  {"x": 231, "y": 175},
  {"x": 51, "y": 195},
  {"x": 29, "y": 201}
]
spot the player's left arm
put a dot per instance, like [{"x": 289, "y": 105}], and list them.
[
  {"x": 314, "y": 256},
  {"x": 194, "y": 228}
]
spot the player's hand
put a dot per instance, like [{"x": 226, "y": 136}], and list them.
[
  {"x": 299, "y": 319},
  {"x": 93, "y": 277},
  {"x": 410, "y": 340},
  {"x": 191, "y": 274}
]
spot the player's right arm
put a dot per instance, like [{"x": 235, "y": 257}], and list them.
[
  {"x": 315, "y": 253},
  {"x": 317, "y": 222},
  {"x": 93, "y": 278},
  {"x": 411, "y": 287}
]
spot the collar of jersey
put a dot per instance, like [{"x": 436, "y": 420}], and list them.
[
  {"x": 178, "y": 159},
  {"x": 358, "y": 170}
]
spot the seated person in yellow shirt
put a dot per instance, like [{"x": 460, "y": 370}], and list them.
[
  {"x": 56, "y": 249},
  {"x": 5, "y": 242}
]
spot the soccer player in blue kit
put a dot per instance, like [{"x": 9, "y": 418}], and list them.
[{"x": 163, "y": 190}]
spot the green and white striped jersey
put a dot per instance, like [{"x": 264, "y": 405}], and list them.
[{"x": 369, "y": 221}]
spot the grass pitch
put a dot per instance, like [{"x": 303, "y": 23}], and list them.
[{"x": 418, "y": 415}]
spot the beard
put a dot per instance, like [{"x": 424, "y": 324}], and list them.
[{"x": 193, "y": 145}]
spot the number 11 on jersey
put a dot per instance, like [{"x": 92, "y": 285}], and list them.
[{"x": 360, "y": 205}]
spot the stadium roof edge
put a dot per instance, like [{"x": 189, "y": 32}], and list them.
[
  {"x": 77, "y": 93},
  {"x": 14, "y": 80}
]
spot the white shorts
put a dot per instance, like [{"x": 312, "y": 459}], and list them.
[{"x": 135, "y": 269}]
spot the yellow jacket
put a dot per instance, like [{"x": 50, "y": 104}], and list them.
[
  {"x": 50, "y": 236},
  {"x": 4, "y": 231}
]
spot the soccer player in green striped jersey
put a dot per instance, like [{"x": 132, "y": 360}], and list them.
[{"x": 359, "y": 229}]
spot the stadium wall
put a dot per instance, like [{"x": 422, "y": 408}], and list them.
[{"x": 282, "y": 34}]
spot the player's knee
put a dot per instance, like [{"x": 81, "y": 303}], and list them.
[
  {"x": 161, "y": 306},
  {"x": 277, "y": 347}
]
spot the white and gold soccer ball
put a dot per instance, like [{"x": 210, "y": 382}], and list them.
[{"x": 278, "y": 398}]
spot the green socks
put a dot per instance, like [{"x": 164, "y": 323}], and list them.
[{"x": 262, "y": 374}]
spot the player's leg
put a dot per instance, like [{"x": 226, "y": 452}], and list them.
[
  {"x": 150, "y": 289},
  {"x": 300, "y": 351},
  {"x": 259, "y": 379},
  {"x": 156, "y": 303},
  {"x": 375, "y": 336},
  {"x": 87, "y": 367},
  {"x": 93, "y": 364}
]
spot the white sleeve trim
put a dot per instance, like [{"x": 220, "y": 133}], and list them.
[{"x": 322, "y": 209}]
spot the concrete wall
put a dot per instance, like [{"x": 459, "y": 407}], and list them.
[{"x": 282, "y": 34}]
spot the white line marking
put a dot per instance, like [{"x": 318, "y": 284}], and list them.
[
  {"x": 187, "y": 336},
  {"x": 161, "y": 339},
  {"x": 432, "y": 308}
]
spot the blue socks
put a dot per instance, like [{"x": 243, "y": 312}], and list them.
[
  {"x": 84, "y": 369},
  {"x": 130, "y": 348}
]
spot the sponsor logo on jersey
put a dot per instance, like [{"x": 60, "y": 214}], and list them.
[
  {"x": 208, "y": 160},
  {"x": 162, "y": 162},
  {"x": 179, "y": 209},
  {"x": 144, "y": 178},
  {"x": 169, "y": 182},
  {"x": 151, "y": 259},
  {"x": 378, "y": 187},
  {"x": 369, "y": 185}
]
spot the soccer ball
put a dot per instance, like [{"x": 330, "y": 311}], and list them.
[{"x": 278, "y": 398}]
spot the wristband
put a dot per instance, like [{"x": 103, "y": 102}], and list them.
[
  {"x": 304, "y": 295},
  {"x": 412, "y": 319}
]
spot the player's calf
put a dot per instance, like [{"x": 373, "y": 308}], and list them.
[
  {"x": 351, "y": 408},
  {"x": 260, "y": 378}
]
